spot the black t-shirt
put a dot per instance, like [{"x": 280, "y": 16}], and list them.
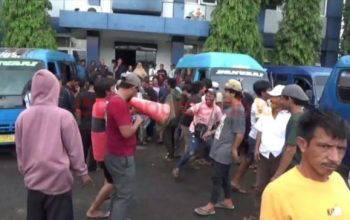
[
  {"x": 187, "y": 119},
  {"x": 66, "y": 99},
  {"x": 151, "y": 94},
  {"x": 84, "y": 103}
]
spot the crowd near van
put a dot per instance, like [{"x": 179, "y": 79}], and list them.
[
  {"x": 220, "y": 67},
  {"x": 17, "y": 67}
]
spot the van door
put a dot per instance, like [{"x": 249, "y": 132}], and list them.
[
  {"x": 203, "y": 74},
  {"x": 343, "y": 86},
  {"x": 52, "y": 67},
  {"x": 67, "y": 71}
]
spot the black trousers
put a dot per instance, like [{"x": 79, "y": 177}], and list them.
[
  {"x": 49, "y": 207},
  {"x": 221, "y": 180},
  {"x": 89, "y": 158},
  {"x": 169, "y": 141},
  {"x": 150, "y": 128}
]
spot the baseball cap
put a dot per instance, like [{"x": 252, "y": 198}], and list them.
[
  {"x": 234, "y": 85},
  {"x": 215, "y": 85},
  {"x": 132, "y": 79},
  {"x": 276, "y": 91},
  {"x": 296, "y": 92}
]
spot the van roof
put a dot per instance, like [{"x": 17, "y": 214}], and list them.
[
  {"x": 307, "y": 70},
  {"x": 32, "y": 53},
  {"x": 219, "y": 60},
  {"x": 344, "y": 61}
]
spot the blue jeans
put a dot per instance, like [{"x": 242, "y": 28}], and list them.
[{"x": 193, "y": 147}]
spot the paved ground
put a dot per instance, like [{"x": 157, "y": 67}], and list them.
[{"x": 158, "y": 196}]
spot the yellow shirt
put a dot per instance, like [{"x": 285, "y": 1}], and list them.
[{"x": 295, "y": 197}]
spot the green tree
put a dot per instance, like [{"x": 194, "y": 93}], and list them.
[
  {"x": 345, "y": 44},
  {"x": 298, "y": 41},
  {"x": 235, "y": 28},
  {"x": 26, "y": 23}
]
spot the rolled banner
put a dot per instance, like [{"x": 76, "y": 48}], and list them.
[{"x": 158, "y": 112}]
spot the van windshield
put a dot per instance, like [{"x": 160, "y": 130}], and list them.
[
  {"x": 320, "y": 82},
  {"x": 247, "y": 77},
  {"x": 14, "y": 74}
]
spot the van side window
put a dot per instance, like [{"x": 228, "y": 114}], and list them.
[
  {"x": 280, "y": 79},
  {"x": 187, "y": 74},
  {"x": 344, "y": 86},
  {"x": 52, "y": 67},
  {"x": 305, "y": 83},
  {"x": 202, "y": 74},
  {"x": 65, "y": 72}
]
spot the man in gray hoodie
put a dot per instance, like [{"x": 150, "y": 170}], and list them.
[{"x": 49, "y": 152}]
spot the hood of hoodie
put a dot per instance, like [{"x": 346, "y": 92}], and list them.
[{"x": 45, "y": 88}]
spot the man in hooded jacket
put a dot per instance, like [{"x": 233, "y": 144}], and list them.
[{"x": 49, "y": 152}]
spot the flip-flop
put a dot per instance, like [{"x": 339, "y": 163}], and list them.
[
  {"x": 203, "y": 212},
  {"x": 102, "y": 215},
  {"x": 222, "y": 205},
  {"x": 238, "y": 189}
]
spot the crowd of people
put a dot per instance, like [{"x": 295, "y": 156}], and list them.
[{"x": 294, "y": 149}]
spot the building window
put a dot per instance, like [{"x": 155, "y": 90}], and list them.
[
  {"x": 192, "y": 1},
  {"x": 190, "y": 49},
  {"x": 208, "y": 2},
  {"x": 95, "y": 2},
  {"x": 344, "y": 86}
]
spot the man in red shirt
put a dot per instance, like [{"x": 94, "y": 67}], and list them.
[{"x": 121, "y": 144}]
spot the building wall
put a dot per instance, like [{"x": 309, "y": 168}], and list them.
[
  {"x": 178, "y": 18},
  {"x": 107, "y": 51},
  {"x": 164, "y": 54}
]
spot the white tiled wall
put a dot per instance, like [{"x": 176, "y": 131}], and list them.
[
  {"x": 168, "y": 8},
  {"x": 82, "y": 5}
]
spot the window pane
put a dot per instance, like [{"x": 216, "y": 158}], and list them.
[
  {"x": 280, "y": 79},
  {"x": 344, "y": 86},
  {"x": 208, "y": 1}
]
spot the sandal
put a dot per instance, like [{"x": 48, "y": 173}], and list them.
[
  {"x": 238, "y": 189},
  {"x": 222, "y": 205},
  {"x": 204, "y": 212}
]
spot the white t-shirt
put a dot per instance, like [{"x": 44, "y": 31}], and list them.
[
  {"x": 259, "y": 107},
  {"x": 28, "y": 99},
  {"x": 273, "y": 132}
]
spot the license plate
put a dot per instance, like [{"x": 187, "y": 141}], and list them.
[{"x": 9, "y": 138}]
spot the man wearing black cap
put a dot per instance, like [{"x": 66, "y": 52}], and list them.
[
  {"x": 121, "y": 144},
  {"x": 293, "y": 100}
]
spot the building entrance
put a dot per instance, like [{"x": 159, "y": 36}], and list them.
[{"x": 132, "y": 53}]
